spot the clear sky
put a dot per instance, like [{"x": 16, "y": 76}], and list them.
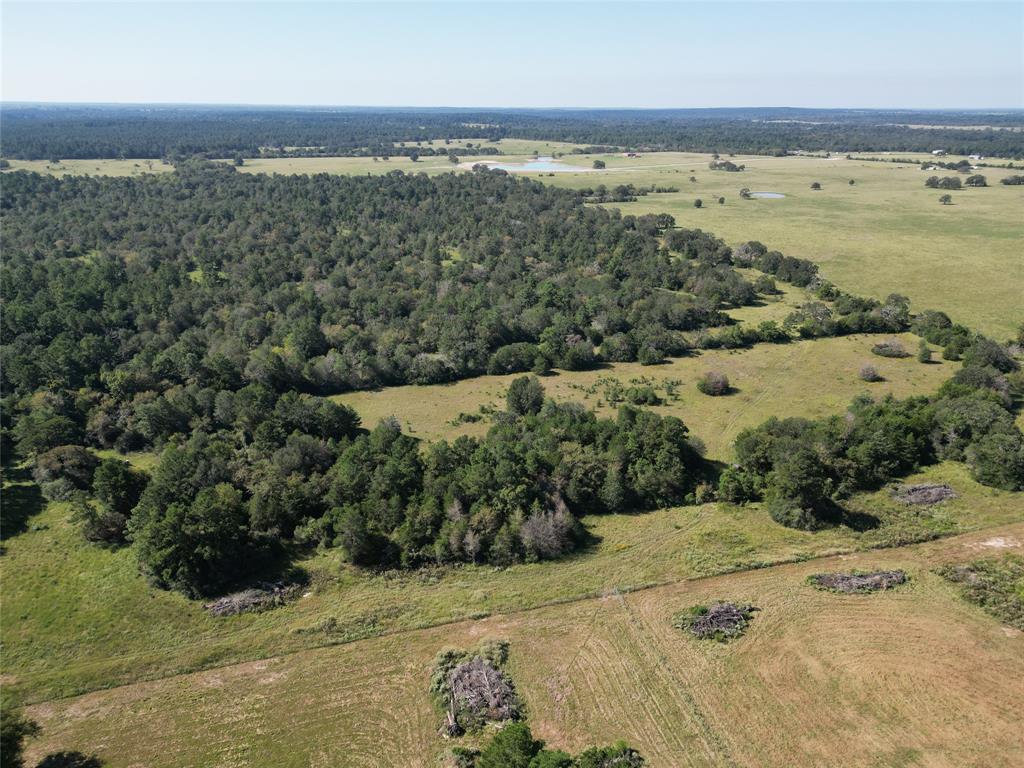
[{"x": 602, "y": 54}]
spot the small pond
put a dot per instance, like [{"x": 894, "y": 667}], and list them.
[
  {"x": 768, "y": 195},
  {"x": 546, "y": 164}
]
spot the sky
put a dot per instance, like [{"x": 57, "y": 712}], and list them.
[{"x": 490, "y": 54}]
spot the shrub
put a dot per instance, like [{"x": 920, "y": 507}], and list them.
[
  {"x": 721, "y": 201},
  {"x": 714, "y": 383},
  {"x": 698, "y": 203},
  {"x": 869, "y": 373},
  {"x": 997, "y": 459},
  {"x": 924, "y": 352},
  {"x": 890, "y": 348},
  {"x": 72, "y": 463}
]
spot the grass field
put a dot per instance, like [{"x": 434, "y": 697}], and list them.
[
  {"x": 91, "y": 167},
  {"x": 804, "y": 378},
  {"x": 915, "y": 676}
]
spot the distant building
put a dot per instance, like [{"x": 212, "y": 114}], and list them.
[{"x": 977, "y": 157}]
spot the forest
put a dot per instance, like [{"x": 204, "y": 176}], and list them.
[
  {"x": 207, "y": 315},
  {"x": 69, "y": 132}
]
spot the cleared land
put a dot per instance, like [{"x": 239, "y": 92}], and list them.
[
  {"x": 912, "y": 676},
  {"x": 803, "y": 378}
]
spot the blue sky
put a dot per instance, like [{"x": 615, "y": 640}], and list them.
[{"x": 604, "y": 54}]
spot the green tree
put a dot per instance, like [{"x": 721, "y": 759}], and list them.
[
  {"x": 924, "y": 352},
  {"x": 197, "y": 548},
  {"x": 525, "y": 396},
  {"x": 512, "y": 747},
  {"x": 946, "y": 199},
  {"x": 599, "y": 165}
]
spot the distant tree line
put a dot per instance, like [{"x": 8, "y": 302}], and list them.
[{"x": 51, "y": 132}]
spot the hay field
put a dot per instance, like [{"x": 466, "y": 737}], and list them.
[{"x": 914, "y": 676}]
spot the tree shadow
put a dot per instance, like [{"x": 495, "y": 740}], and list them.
[
  {"x": 860, "y": 521},
  {"x": 22, "y": 499},
  {"x": 72, "y": 759}
]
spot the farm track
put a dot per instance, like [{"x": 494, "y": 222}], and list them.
[{"x": 896, "y": 667}]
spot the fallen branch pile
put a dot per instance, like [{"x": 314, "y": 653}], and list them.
[
  {"x": 719, "y": 621},
  {"x": 263, "y": 597},
  {"x": 859, "y": 582},
  {"x": 926, "y": 493}
]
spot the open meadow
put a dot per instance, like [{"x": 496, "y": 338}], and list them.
[{"x": 887, "y": 679}]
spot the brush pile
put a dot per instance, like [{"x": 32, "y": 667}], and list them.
[{"x": 859, "y": 582}]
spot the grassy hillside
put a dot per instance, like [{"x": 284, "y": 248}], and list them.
[{"x": 896, "y": 678}]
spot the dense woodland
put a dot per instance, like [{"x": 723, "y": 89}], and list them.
[
  {"x": 207, "y": 315},
  {"x": 70, "y": 131}
]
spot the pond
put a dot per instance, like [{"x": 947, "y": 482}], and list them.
[
  {"x": 546, "y": 164},
  {"x": 768, "y": 195}
]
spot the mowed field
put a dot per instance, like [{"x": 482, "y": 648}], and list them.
[
  {"x": 885, "y": 234},
  {"x": 910, "y": 677}
]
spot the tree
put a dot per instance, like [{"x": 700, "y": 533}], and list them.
[
  {"x": 924, "y": 352},
  {"x": 997, "y": 459},
  {"x": 852, "y": 182},
  {"x": 721, "y": 201},
  {"x": 14, "y": 729},
  {"x": 197, "y": 547},
  {"x": 698, "y": 203},
  {"x": 798, "y": 489},
  {"x": 414, "y": 156},
  {"x": 745, "y": 193},
  {"x": 815, "y": 185},
  {"x": 525, "y": 396},
  {"x": 453, "y": 158},
  {"x": 946, "y": 199},
  {"x": 117, "y": 486},
  {"x": 512, "y": 747},
  {"x": 599, "y": 165},
  {"x": 977, "y": 180}
]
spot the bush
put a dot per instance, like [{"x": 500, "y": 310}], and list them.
[
  {"x": 513, "y": 358},
  {"x": 698, "y": 203},
  {"x": 924, "y": 352},
  {"x": 869, "y": 373},
  {"x": 890, "y": 348},
  {"x": 714, "y": 383},
  {"x": 72, "y": 463},
  {"x": 997, "y": 459}
]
